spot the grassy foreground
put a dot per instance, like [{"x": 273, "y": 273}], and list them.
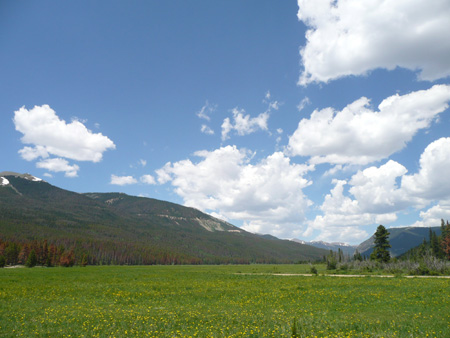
[{"x": 217, "y": 301}]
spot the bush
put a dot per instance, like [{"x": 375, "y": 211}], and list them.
[
  {"x": 343, "y": 267},
  {"x": 313, "y": 270}
]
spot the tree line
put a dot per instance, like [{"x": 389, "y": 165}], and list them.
[
  {"x": 67, "y": 253},
  {"x": 430, "y": 258},
  {"x": 34, "y": 253},
  {"x": 437, "y": 246}
]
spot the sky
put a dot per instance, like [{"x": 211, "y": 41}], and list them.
[{"x": 308, "y": 119}]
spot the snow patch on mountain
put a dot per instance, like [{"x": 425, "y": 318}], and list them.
[
  {"x": 25, "y": 176},
  {"x": 332, "y": 243},
  {"x": 335, "y": 246},
  {"x": 3, "y": 181}
]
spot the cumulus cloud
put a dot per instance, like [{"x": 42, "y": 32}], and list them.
[
  {"x": 430, "y": 182},
  {"x": 341, "y": 217},
  {"x": 376, "y": 194},
  {"x": 266, "y": 195},
  {"x": 376, "y": 188},
  {"x": 344, "y": 217},
  {"x": 122, "y": 180},
  {"x": 49, "y": 134},
  {"x": 352, "y": 37},
  {"x": 163, "y": 174},
  {"x": 432, "y": 216},
  {"x": 148, "y": 179},
  {"x": 360, "y": 135},
  {"x": 59, "y": 165},
  {"x": 244, "y": 124}
]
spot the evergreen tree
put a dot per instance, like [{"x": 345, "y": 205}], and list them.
[
  {"x": 436, "y": 248},
  {"x": 11, "y": 253},
  {"x": 381, "y": 252},
  {"x": 32, "y": 259},
  {"x": 2, "y": 261},
  {"x": 357, "y": 256},
  {"x": 340, "y": 255},
  {"x": 331, "y": 261}
]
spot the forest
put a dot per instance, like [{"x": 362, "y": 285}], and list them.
[{"x": 425, "y": 259}]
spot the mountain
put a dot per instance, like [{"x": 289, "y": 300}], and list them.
[
  {"x": 121, "y": 229},
  {"x": 401, "y": 240},
  {"x": 345, "y": 248}
]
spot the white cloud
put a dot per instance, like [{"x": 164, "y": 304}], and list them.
[
  {"x": 342, "y": 217},
  {"x": 59, "y": 165},
  {"x": 376, "y": 189},
  {"x": 275, "y": 105},
  {"x": 207, "y": 130},
  {"x": 30, "y": 154},
  {"x": 244, "y": 124},
  {"x": 431, "y": 182},
  {"x": 206, "y": 110},
  {"x": 49, "y": 135},
  {"x": 164, "y": 174},
  {"x": 377, "y": 194},
  {"x": 360, "y": 135},
  {"x": 267, "y": 195},
  {"x": 303, "y": 103},
  {"x": 352, "y": 37},
  {"x": 432, "y": 217},
  {"x": 122, "y": 180},
  {"x": 148, "y": 179}
]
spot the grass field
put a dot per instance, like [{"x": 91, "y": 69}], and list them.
[{"x": 217, "y": 301}]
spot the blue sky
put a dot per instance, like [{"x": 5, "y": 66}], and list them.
[{"x": 312, "y": 119}]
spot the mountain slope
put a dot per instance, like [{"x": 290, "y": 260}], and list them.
[
  {"x": 401, "y": 240},
  {"x": 117, "y": 228}
]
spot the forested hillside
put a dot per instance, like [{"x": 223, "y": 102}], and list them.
[
  {"x": 114, "y": 228},
  {"x": 401, "y": 240}
]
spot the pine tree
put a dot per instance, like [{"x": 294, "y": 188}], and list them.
[
  {"x": 357, "y": 256},
  {"x": 436, "y": 248},
  {"x": 32, "y": 259},
  {"x": 445, "y": 239},
  {"x": 331, "y": 261},
  {"x": 381, "y": 252}
]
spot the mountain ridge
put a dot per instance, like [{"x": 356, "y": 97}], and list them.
[
  {"x": 123, "y": 229},
  {"x": 347, "y": 249}
]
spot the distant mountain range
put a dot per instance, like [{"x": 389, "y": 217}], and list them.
[
  {"x": 348, "y": 250},
  {"x": 115, "y": 228},
  {"x": 400, "y": 239}
]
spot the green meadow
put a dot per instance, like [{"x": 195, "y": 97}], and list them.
[{"x": 217, "y": 301}]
